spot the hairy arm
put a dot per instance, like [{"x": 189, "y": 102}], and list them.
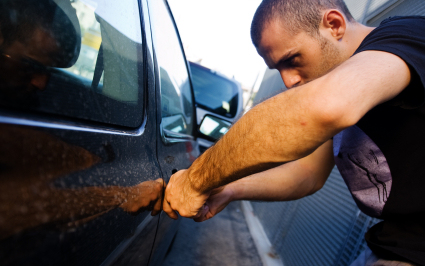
[
  {"x": 290, "y": 181},
  {"x": 289, "y": 126},
  {"x": 292, "y": 124}
]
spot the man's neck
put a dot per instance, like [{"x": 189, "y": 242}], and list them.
[{"x": 356, "y": 35}]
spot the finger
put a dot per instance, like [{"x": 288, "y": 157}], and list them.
[
  {"x": 201, "y": 212},
  {"x": 200, "y": 217},
  {"x": 205, "y": 217},
  {"x": 160, "y": 180},
  {"x": 155, "y": 212},
  {"x": 167, "y": 209},
  {"x": 209, "y": 215},
  {"x": 156, "y": 208}
]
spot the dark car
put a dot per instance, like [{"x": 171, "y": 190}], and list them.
[
  {"x": 219, "y": 103},
  {"x": 96, "y": 113}
]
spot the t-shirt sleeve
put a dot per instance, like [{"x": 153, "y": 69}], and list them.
[{"x": 404, "y": 37}]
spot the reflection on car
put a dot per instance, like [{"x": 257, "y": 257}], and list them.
[
  {"x": 219, "y": 103},
  {"x": 92, "y": 125},
  {"x": 214, "y": 127}
]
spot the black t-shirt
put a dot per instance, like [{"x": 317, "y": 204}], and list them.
[{"x": 382, "y": 157}]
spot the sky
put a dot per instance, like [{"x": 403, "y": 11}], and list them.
[{"x": 218, "y": 32}]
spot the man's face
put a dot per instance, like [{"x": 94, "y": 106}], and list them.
[
  {"x": 298, "y": 57},
  {"x": 22, "y": 64}
]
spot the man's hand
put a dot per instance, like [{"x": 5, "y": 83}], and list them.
[
  {"x": 144, "y": 196},
  {"x": 218, "y": 200},
  {"x": 180, "y": 196}
]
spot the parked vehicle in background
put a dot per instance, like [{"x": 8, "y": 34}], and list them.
[
  {"x": 96, "y": 112},
  {"x": 219, "y": 103}
]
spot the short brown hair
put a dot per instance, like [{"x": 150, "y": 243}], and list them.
[{"x": 297, "y": 15}]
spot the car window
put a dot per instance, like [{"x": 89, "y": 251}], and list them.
[
  {"x": 176, "y": 96},
  {"x": 80, "y": 59},
  {"x": 213, "y": 92}
]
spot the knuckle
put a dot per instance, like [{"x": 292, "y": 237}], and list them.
[
  {"x": 165, "y": 207},
  {"x": 184, "y": 213}
]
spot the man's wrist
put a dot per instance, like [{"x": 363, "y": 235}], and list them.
[
  {"x": 200, "y": 177},
  {"x": 233, "y": 192},
  {"x": 195, "y": 180}
]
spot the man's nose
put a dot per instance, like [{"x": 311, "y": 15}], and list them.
[{"x": 291, "y": 78}]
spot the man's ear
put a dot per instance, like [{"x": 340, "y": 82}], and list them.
[{"x": 334, "y": 22}]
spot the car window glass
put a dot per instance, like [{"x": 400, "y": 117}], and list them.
[
  {"x": 213, "y": 92},
  {"x": 176, "y": 95},
  {"x": 80, "y": 58}
]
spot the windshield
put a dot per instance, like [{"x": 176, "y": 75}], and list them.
[{"x": 214, "y": 93}]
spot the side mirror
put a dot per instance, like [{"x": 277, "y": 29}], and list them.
[
  {"x": 213, "y": 127},
  {"x": 174, "y": 123},
  {"x": 174, "y": 129}
]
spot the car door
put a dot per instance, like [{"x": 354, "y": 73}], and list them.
[
  {"x": 177, "y": 148},
  {"x": 78, "y": 131},
  {"x": 176, "y": 142}
]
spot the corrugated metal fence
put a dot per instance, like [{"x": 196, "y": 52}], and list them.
[{"x": 323, "y": 229}]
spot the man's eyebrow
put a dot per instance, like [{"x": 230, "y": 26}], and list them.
[{"x": 282, "y": 59}]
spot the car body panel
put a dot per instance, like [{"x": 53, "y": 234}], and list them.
[{"x": 64, "y": 181}]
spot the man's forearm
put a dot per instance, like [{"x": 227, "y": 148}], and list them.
[
  {"x": 260, "y": 141},
  {"x": 290, "y": 181}
]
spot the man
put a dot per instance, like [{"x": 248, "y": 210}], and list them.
[
  {"x": 355, "y": 100},
  {"x": 34, "y": 35}
]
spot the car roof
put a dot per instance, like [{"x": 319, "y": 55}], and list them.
[{"x": 193, "y": 64}]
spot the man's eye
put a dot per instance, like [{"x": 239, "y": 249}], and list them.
[{"x": 293, "y": 61}]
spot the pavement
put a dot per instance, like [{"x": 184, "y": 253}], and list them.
[{"x": 222, "y": 240}]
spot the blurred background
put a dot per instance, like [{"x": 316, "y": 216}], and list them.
[{"x": 216, "y": 34}]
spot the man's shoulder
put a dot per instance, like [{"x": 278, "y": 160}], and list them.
[
  {"x": 397, "y": 20},
  {"x": 395, "y": 31}
]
